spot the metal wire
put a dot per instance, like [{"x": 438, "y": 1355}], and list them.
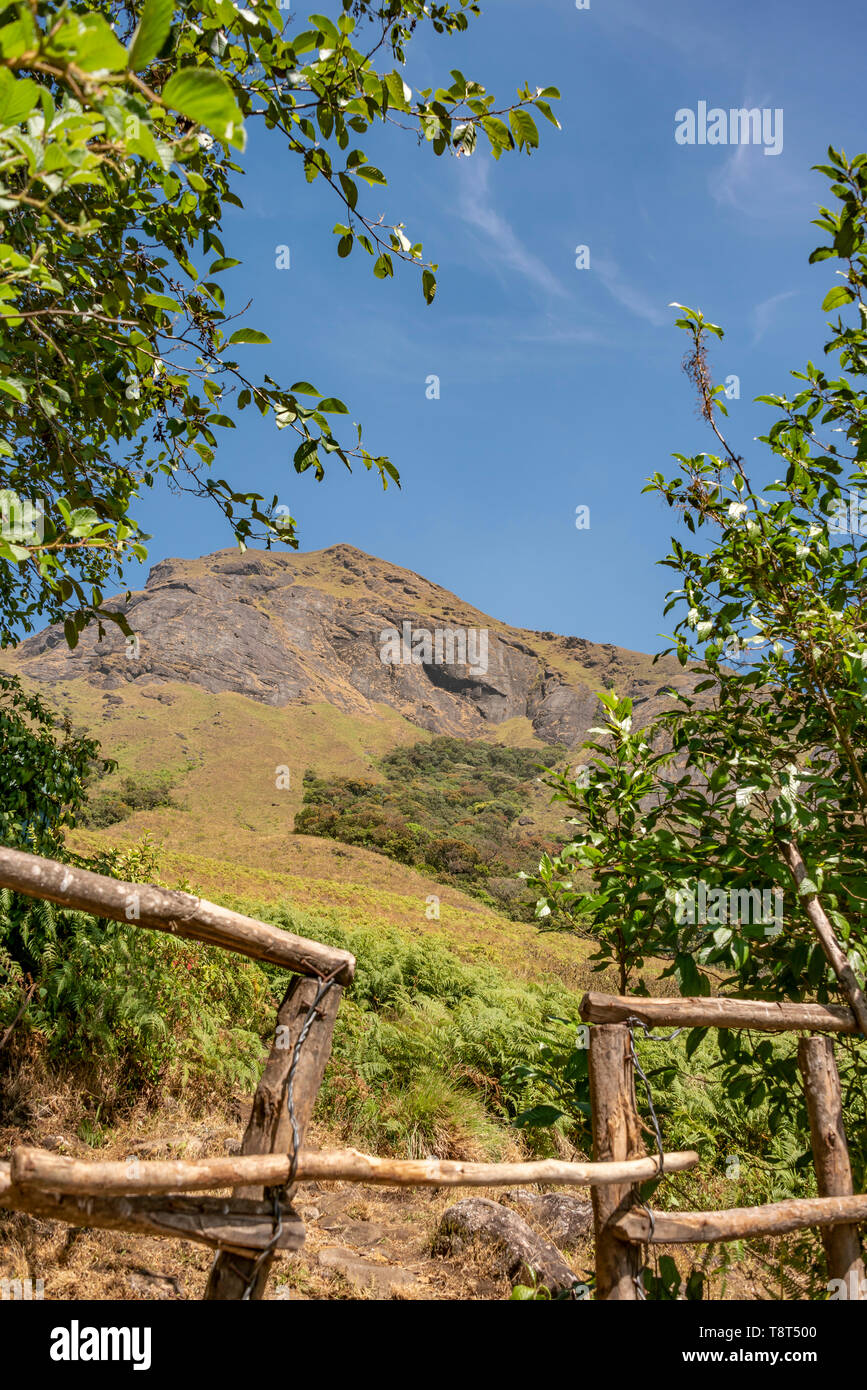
[
  {"x": 263, "y": 1256},
  {"x": 631, "y": 1023},
  {"x": 324, "y": 987},
  {"x": 278, "y": 1194}
]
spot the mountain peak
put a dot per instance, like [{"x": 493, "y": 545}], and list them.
[{"x": 357, "y": 632}]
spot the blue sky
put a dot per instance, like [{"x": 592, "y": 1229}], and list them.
[{"x": 559, "y": 387}]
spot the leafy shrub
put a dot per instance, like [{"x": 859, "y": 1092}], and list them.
[
  {"x": 108, "y": 806},
  {"x": 446, "y": 807},
  {"x": 45, "y": 765},
  {"x": 143, "y": 1007}
]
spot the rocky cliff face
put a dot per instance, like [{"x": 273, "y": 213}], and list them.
[{"x": 346, "y": 628}]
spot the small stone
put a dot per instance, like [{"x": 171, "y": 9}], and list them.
[
  {"x": 57, "y": 1141},
  {"x": 365, "y": 1233},
  {"x": 509, "y": 1248},
  {"x": 365, "y": 1273},
  {"x": 154, "y": 1285},
  {"x": 565, "y": 1218}
]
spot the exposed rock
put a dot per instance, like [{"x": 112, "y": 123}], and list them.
[
  {"x": 565, "y": 1218},
  {"x": 365, "y": 1273},
  {"x": 508, "y": 1246},
  {"x": 58, "y": 1143},
  {"x": 367, "y": 1234},
  {"x": 152, "y": 1285},
  {"x": 287, "y": 628},
  {"x": 333, "y": 1222}
]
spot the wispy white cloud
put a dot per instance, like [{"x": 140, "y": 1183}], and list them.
[
  {"x": 631, "y": 296},
  {"x": 679, "y": 25},
  {"x": 506, "y": 250},
  {"x": 735, "y": 186},
  {"x": 764, "y": 313},
  {"x": 751, "y": 182},
  {"x": 475, "y": 205},
  {"x": 557, "y": 333}
]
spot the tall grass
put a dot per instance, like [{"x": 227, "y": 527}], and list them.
[{"x": 427, "y": 1050}]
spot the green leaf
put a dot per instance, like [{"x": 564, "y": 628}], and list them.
[
  {"x": 326, "y": 28},
  {"x": 304, "y": 42},
  {"x": 847, "y": 238},
  {"x": 524, "y": 129},
  {"x": 689, "y": 978},
  {"x": 10, "y": 551},
  {"x": 429, "y": 285},
  {"x": 249, "y": 335},
  {"x": 547, "y": 113},
  {"x": 151, "y": 33},
  {"x": 17, "y": 97},
  {"x": 162, "y": 301},
  {"x": 350, "y": 189},
  {"x": 498, "y": 133},
  {"x": 90, "y": 42},
  {"x": 398, "y": 91},
  {"x": 840, "y": 294},
  {"x": 16, "y": 38},
  {"x": 84, "y": 519},
  {"x": 370, "y": 174},
  {"x": 13, "y": 387},
  {"x": 305, "y": 455},
  {"x": 539, "y": 1117},
  {"x": 204, "y": 96}
]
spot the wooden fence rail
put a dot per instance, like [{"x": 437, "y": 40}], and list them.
[
  {"x": 233, "y": 1224},
  {"x": 38, "y": 1170},
  {"x": 736, "y": 1223},
  {"x": 624, "y": 1225},
  {"x": 165, "y": 909},
  {"x": 249, "y": 1227},
  {"x": 764, "y": 1016}
]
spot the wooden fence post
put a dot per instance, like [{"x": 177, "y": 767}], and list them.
[
  {"x": 616, "y": 1135},
  {"x": 831, "y": 1157},
  {"x": 269, "y": 1129}
]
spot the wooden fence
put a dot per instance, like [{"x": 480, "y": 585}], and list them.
[
  {"x": 248, "y": 1228},
  {"x": 623, "y": 1224}
]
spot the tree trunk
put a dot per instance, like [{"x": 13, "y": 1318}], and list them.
[
  {"x": 269, "y": 1129},
  {"x": 616, "y": 1136},
  {"x": 831, "y": 1155}
]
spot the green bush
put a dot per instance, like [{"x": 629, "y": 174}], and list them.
[
  {"x": 107, "y": 806},
  {"x": 446, "y": 807}
]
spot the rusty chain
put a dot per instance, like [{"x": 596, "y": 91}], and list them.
[
  {"x": 632, "y": 1023},
  {"x": 278, "y": 1194}
]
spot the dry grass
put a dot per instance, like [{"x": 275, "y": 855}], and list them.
[{"x": 389, "y": 1229}]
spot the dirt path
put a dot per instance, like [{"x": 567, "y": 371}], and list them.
[{"x": 362, "y": 1242}]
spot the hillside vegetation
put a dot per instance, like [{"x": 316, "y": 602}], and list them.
[{"x": 453, "y": 809}]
